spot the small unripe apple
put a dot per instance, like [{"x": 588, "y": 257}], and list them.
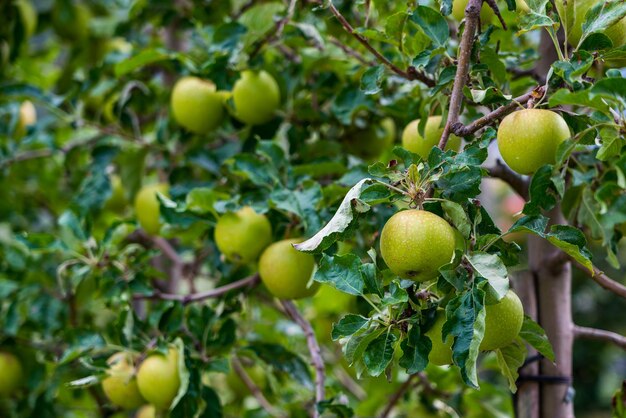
[
  {"x": 441, "y": 353},
  {"x": 256, "y": 96},
  {"x": 286, "y": 272},
  {"x": 196, "y": 105},
  {"x": 27, "y": 117},
  {"x": 416, "y": 243},
  {"x": 147, "y": 207},
  {"x": 422, "y": 145},
  {"x": 158, "y": 379},
  {"x": 371, "y": 142},
  {"x": 332, "y": 301},
  {"x": 242, "y": 235},
  {"x": 146, "y": 411},
  {"x": 503, "y": 322},
  {"x": 120, "y": 386},
  {"x": 529, "y": 139},
  {"x": 11, "y": 374},
  {"x": 458, "y": 11},
  {"x": 238, "y": 386}
]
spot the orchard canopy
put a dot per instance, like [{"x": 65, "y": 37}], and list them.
[{"x": 312, "y": 208}]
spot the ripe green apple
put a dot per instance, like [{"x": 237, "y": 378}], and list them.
[
  {"x": 242, "y": 235},
  {"x": 416, "y": 243},
  {"x": 11, "y": 374},
  {"x": 27, "y": 117},
  {"x": 458, "y": 11},
  {"x": 117, "y": 201},
  {"x": 158, "y": 379},
  {"x": 147, "y": 207},
  {"x": 529, "y": 139},
  {"x": 369, "y": 143},
  {"x": 503, "y": 322},
  {"x": 414, "y": 142},
  {"x": 576, "y": 12},
  {"x": 28, "y": 15},
  {"x": 441, "y": 353},
  {"x": 146, "y": 411},
  {"x": 71, "y": 20},
  {"x": 256, "y": 96},
  {"x": 286, "y": 272},
  {"x": 120, "y": 385},
  {"x": 196, "y": 105}
]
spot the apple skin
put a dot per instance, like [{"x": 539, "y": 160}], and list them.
[
  {"x": 147, "y": 207},
  {"x": 241, "y": 236},
  {"x": 71, "y": 20},
  {"x": 529, "y": 138},
  {"x": 416, "y": 243},
  {"x": 256, "y": 96},
  {"x": 441, "y": 353},
  {"x": 371, "y": 142},
  {"x": 146, "y": 411},
  {"x": 158, "y": 379},
  {"x": 414, "y": 142},
  {"x": 503, "y": 322},
  {"x": 458, "y": 11},
  {"x": 120, "y": 386},
  {"x": 12, "y": 374},
  {"x": 286, "y": 272},
  {"x": 196, "y": 105}
]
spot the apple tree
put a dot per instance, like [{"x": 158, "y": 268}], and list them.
[{"x": 253, "y": 208}]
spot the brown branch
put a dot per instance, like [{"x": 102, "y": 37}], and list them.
[
  {"x": 461, "y": 130},
  {"x": 250, "y": 281},
  {"x": 253, "y": 388},
  {"x": 517, "y": 182},
  {"x": 601, "y": 335},
  {"x": 496, "y": 10},
  {"x": 395, "y": 398},
  {"x": 411, "y": 74},
  {"x": 472, "y": 17},
  {"x": 314, "y": 350},
  {"x": 598, "y": 276}
]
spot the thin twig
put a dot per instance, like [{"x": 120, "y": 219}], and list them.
[
  {"x": 398, "y": 395},
  {"x": 411, "y": 74},
  {"x": 352, "y": 52},
  {"x": 277, "y": 32},
  {"x": 253, "y": 388},
  {"x": 603, "y": 280},
  {"x": 250, "y": 281},
  {"x": 601, "y": 335},
  {"x": 472, "y": 17},
  {"x": 517, "y": 182},
  {"x": 314, "y": 350}
]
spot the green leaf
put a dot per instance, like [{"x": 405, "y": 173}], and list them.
[
  {"x": 534, "y": 335},
  {"x": 459, "y": 218},
  {"x": 601, "y": 16},
  {"x": 341, "y": 223},
  {"x": 356, "y": 345},
  {"x": 433, "y": 25},
  {"x": 372, "y": 79},
  {"x": 183, "y": 373},
  {"x": 145, "y": 57},
  {"x": 348, "y": 325},
  {"x": 493, "y": 269},
  {"x": 379, "y": 353},
  {"x": 416, "y": 348},
  {"x": 510, "y": 359},
  {"x": 573, "y": 242},
  {"x": 284, "y": 361},
  {"x": 543, "y": 193},
  {"x": 343, "y": 272}
]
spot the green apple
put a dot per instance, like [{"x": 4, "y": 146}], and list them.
[
  {"x": 503, "y": 322},
  {"x": 422, "y": 145},
  {"x": 242, "y": 235},
  {"x": 28, "y": 14},
  {"x": 529, "y": 139},
  {"x": 147, "y": 207},
  {"x": 196, "y": 105},
  {"x": 158, "y": 379},
  {"x": 441, "y": 353},
  {"x": 11, "y": 373},
  {"x": 574, "y": 15},
  {"x": 256, "y": 96},
  {"x": 117, "y": 201},
  {"x": 146, "y": 411},
  {"x": 458, "y": 11},
  {"x": 120, "y": 385},
  {"x": 369, "y": 143},
  {"x": 71, "y": 20},
  {"x": 286, "y": 272},
  {"x": 239, "y": 388},
  {"x": 332, "y": 301},
  {"x": 27, "y": 117},
  {"x": 416, "y": 243}
]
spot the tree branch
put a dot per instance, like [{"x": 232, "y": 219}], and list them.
[
  {"x": 278, "y": 29},
  {"x": 411, "y": 74},
  {"x": 517, "y": 182},
  {"x": 602, "y": 279},
  {"x": 253, "y": 388},
  {"x": 250, "y": 281},
  {"x": 395, "y": 398},
  {"x": 472, "y": 17},
  {"x": 601, "y": 335},
  {"x": 314, "y": 349}
]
